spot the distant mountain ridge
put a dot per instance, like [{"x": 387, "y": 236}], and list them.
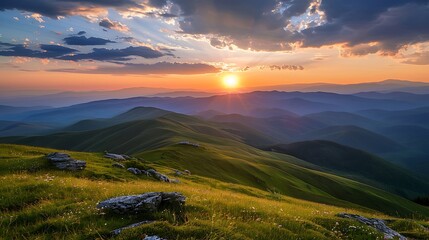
[{"x": 67, "y": 98}]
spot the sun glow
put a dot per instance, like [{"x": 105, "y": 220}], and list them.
[{"x": 231, "y": 81}]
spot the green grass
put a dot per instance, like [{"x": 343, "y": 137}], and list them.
[
  {"x": 356, "y": 164},
  {"x": 39, "y": 202}
]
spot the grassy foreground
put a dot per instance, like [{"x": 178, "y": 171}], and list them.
[{"x": 39, "y": 202}]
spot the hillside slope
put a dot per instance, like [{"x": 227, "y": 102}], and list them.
[
  {"x": 356, "y": 164},
  {"x": 355, "y": 137},
  {"x": 44, "y": 203},
  {"x": 224, "y": 157}
]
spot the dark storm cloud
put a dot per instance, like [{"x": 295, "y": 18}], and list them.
[
  {"x": 393, "y": 24},
  {"x": 104, "y": 54},
  {"x": 46, "y": 51},
  {"x": 270, "y": 25},
  {"x": 252, "y": 24},
  {"x": 84, "y": 41},
  {"x": 81, "y": 33},
  {"x": 55, "y": 8},
  {"x": 248, "y": 24},
  {"x": 157, "y": 68},
  {"x": 65, "y": 53}
]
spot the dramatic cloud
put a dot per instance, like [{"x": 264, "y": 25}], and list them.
[
  {"x": 65, "y": 53},
  {"x": 107, "y": 23},
  {"x": 46, "y": 51},
  {"x": 366, "y": 26},
  {"x": 36, "y": 17},
  {"x": 81, "y": 33},
  {"x": 383, "y": 26},
  {"x": 57, "y": 8},
  {"x": 361, "y": 27},
  {"x": 248, "y": 24},
  {"x": 419, "y": 58},
  {"x": 84, "y": 41},
  {"x": 157, "y": 68},
  {"x": 104, "y": 54}
]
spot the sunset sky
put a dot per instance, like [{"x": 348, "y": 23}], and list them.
[{"x": 194, "y": 44}]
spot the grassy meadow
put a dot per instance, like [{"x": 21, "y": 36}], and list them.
[{"x": 39, "y": 202}]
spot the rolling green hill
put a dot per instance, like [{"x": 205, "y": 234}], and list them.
[
  {"x": 356, "y": 164},
  {"x": 13, "y": 128},
  {"x": 355, "y": 137},
  {"x": 223, "y": 156},
  {"x": 280, "y": 129},
  {"x": 138, "y": 113},
  {"x": 40, "y": 202},
  {"x": 344, "y": 118}
]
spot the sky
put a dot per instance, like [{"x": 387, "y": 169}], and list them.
[{"x": 194, "y": 44}]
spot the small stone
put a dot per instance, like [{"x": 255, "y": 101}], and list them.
[
  {"x": 135, "y": 171},
  {"x": 177, "y": 172},
  {"x": 118, "y": 165},
  {"x": 153, "y": 238},
  {"x": 174, "y": 180},
  {"x": 117, "y": 157},
  {"x": 158, "y": 176}
]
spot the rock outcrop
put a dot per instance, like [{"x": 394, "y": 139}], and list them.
[
  {"x": 135, "y": 171},
  {"x": 180, "y": 173},
  {"x": 145, "y": 203},
  {"x": 63, "y": 161},
  {"x": 150, "y": 173},
  {"x": 378, "y": 224},
  {"x": 117, "y": 157},
  {"x": 158, "y": 176}
]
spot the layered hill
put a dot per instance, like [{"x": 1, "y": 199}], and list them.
[
  {"x": 223, "y": 156},
  {"x": 355, "y": 137},
  {"x": 355, "y": 164}
]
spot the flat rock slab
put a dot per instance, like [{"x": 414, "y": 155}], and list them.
[
  {"x": 145, "y": 203},
  {"x": 378, "y": 224},
  {"x": 63, "y": 161}
]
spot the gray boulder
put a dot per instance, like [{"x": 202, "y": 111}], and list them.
[
  {"x": 378, "y": 224},
  {"x": 145, "y": 203},
  {"x": 158, "y": 176},
  {"x": 63, "y": 161},
  {"x": 117, "y": 157},
  {"x": 177, "y": 172},
  {"x": 180, "y": 173},
  {"x": 135, "y": 171}
]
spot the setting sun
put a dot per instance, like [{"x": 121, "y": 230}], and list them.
[{"x": 230, "y": 81}]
